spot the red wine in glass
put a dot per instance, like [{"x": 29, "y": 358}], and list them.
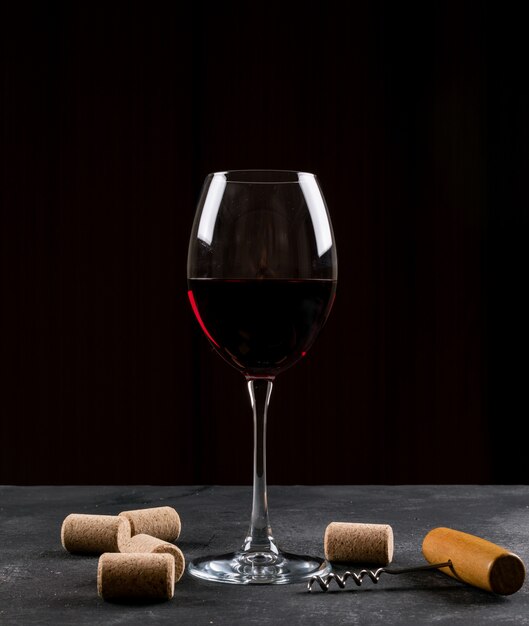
[
  {"x": 262, "y": 272},
  {"x": 261, "y": 326}
]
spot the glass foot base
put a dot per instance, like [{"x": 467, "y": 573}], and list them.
[{"x": 258, "y": 568}]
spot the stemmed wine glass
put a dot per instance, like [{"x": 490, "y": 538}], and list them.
[{"x": 262, "y": 272}]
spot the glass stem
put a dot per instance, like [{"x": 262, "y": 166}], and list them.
[{"x": 259, "y": 537}]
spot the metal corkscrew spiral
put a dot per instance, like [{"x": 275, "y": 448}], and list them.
[{"x": 325, "y": 581}]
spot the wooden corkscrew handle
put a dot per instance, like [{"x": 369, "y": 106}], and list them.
[{"x": 474, "y": 560}]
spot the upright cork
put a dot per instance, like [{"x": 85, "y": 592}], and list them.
[
  {"x": 475, "y": 561},
  {"x": 162, "y": 522},
  {"x": 146, "y": 543},
  {"x": 358, "y": 543},
  {"x": 94, "y": 534},
  {"x": 133, "y": 575}
]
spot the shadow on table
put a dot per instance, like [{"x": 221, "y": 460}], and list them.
[
  {"x": 455, "y": 594},
  {"x": 58, "y": 555},
  {"x": 135, "y": 602}
]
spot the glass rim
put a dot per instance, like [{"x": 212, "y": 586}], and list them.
[{"x": 261, "y": 176}]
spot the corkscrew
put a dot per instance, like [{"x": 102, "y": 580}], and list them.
[
  {"x": 325, "y": 581},
  {"x": 462, "y": 556}
]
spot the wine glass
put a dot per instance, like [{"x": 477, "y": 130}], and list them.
[{"x": 262, "y": 272}]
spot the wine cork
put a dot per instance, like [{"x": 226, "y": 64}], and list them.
[
  {"x": 135, "y": 575},
  {"x": 94, "y": 534},
  {"x": 146, "y": 543},
  {"x": 162, "y": 522},
  {"x": 359, "y": 543}
]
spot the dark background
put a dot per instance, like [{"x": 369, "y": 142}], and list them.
[{"x": 414, "y": 117}]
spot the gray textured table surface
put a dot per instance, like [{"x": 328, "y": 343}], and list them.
[{"x": 42, "y": 584}]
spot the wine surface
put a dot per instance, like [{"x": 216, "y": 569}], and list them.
[{"x": 261, "y": 326}]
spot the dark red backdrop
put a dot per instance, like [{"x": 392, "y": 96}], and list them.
[{"x": 415, "y": 122}]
